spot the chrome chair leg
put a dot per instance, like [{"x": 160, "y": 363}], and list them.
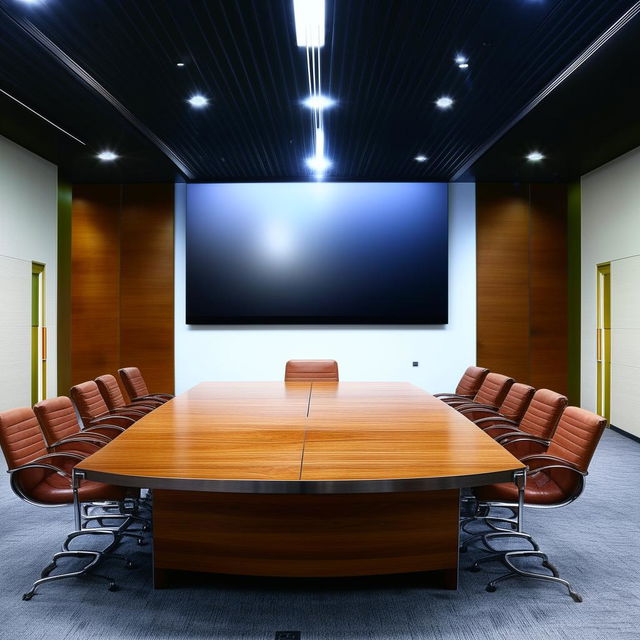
[
  {"x": 45, "y": 576},
  {"x": 515, "y": 571}
]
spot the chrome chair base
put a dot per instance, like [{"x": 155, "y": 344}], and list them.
[
  {"x": 515, "y": 572},
  {"x": 506, "y": 556},
  {"x": 95, "y": 557}
]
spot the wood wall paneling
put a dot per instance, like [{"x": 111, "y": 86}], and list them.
[
  {"x": 549, "y": 348},
  {"x": 503, "y": 279},
  {"x": 146, "y": 283},
  {"x": 522, "y": 275},
  {"x": 122, "y": 282},
  {"x": 95, "y": 290}
]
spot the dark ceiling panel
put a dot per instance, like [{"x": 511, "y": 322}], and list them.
[{"x": 385, "y": 62}]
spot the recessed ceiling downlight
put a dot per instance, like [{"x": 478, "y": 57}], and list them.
[
  {"x": 445, "y": 102},
  {"x": 535, "y": 156},
  {"x": 420, "y": 158},
  {"x": 108, "y": 156},
  {"x": 198, "y": 101}
]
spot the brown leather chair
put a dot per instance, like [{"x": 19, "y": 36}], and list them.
[
  {"x": 537, "y": 425},
  {"x": 513, "y": 406},
  {"x": 93, "y": 411},
  {"x": 61, "y": 429},
  {"x": 45, "y": 479},
  {"x": 136, "y": 387},
  {"x": 490, "y": 394},
  {"x": 554, "y": 479},
  {"x": 311, "y": 371},
  {"x": 113, "y": 398},
  {"x": 469, "y": 384}
]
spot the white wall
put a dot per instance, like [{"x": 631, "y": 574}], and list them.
[
  {"x": 28, "y": 232},
  {"x": 625, "y": 344},
  {"x": 363, "y": 353},
  {"x": 610, "y": 231}
]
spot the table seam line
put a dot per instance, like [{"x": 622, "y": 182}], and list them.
[{"x": 304, "y": 437}]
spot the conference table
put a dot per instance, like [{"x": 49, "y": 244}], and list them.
[{"x": 303, "y": 479}]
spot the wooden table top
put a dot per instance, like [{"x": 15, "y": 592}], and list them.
[{"x": 301, "y": 437}]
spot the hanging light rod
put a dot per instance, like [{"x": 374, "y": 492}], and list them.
[{"x": 309, "y": 18}]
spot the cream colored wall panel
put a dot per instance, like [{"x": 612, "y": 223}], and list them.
[
  {"x": 625, "y": 347},
  {"x": 610, "y": 231},
  {"x": 625, "y": 400},
  {"x": 15, "y": 333},
  {"x": 625, "y": 293},
  {"x": 29, "y": 229}
]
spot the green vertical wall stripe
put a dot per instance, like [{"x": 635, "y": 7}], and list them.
[
  {"x": 574, "y": 232},
  {"x": 64, "y": 286}
]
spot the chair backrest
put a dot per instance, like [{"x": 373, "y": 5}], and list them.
[
  {"x": 57, "y": 418},
  {"x": 88, "y": 400},
  {"x": 110, "y": 391},
  {"x": 21, "y": 441},
  {"x": 133, "y": 382},
  {"x": 311, "y": 370},
  {"x": 577, "y": 436},
  {"x": 20, "y": 437},
  {"x": 493, "y": 390},
  {"x": 471, "y": 380},
  {"x": 516, "y": 401},
  {"x": 542, "y": 414}
]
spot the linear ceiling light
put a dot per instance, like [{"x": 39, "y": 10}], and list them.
[
  {"x": 309, "y": 17},
  {"x": 53, "y": 124}
]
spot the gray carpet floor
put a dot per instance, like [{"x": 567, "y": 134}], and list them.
[{"x": 595, "y": 543}]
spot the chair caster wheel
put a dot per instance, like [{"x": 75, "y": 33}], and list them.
[
  {"x": 576, "y": 596},
  {"x": 474, "y": 568},
  {"x": 129, "y": 564},
  {"x": 490, "y": 588},
  {"x": 140, "y": 542},
  {"x": 146, "y": 527},
  {"x": 28, "y": 596},
  {"x": 113, "y": 587}
]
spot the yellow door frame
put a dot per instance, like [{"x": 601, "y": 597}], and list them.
[
  {"x": 38, "y": 334},
  {"x": 603, "y": 339}
]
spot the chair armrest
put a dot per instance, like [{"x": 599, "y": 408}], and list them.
[
  {"x": 114, "y": 429},
  {"x": 80, "y": 437},
  {"x": 40, "y": 465},
  {"x": 531, "y": 460},
  {"x": 519, "y": 446},
  {"x": 452, "y": 395},
  {"x": 500, "y": 429},
  {"x": 520, "y": 436},
  {"x": 482, "y": 410},
  {"x": 124, "y": 411},
  {"x": 500, "y": 422},
  {"x": 102, "y": 420},
  {"x": 46, "y": 462}
]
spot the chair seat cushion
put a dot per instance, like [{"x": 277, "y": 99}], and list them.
[{"x": 540, "y": 489}]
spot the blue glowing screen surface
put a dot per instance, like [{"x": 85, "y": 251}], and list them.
[{"x": 301, "y": 253}]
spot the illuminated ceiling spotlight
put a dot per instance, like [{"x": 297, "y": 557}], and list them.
[
  {"x": 420, "y": 158},
  {"x": 179, "y": 64},
  {"x": 462, "y": 61},
  {"x": 535, "y": 156},
  {"x": 318, "y": 163},
  {"x": 445, "y": 102},
  {"x": 309, "y": 18},
  {"x": 319, "y": 102},
  {"x": 107, "y": 156},
  {"x": 198, "y": 101}
]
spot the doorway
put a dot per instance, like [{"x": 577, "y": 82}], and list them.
[
  {"x": 603, "y": 339},
  {"x": 38, "y": 334}
]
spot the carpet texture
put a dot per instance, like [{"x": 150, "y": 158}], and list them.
[{"x": 595, "y": 543}]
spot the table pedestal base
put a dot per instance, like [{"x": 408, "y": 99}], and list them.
[{"x": 305, "y": 535}]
